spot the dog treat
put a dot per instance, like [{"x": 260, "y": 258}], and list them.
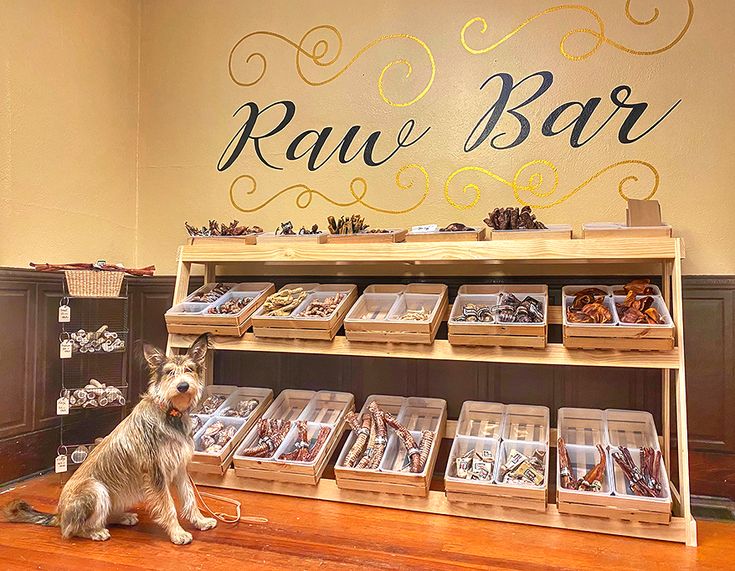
[
  {"x": 322, "y": 307},
  {"x": 643, "y": 480},
  {"x": 215, "y": 437},
  {"x": 286, "y": 229},
  {"x": 212, "y": 295},
  {"x": 637, "y": 307},
  {"x": 512, "y": 310},
  {"x": 355, "y": 224},
  {"x": 415, "y": 315},
  {"x": 363, "y": 432},
  {"x": 94, "y": 395},
  {"x": 522, "y": 470},
  {"x": 100, "y": 341},
  {"x": 283, "y": 302},
  {"x": 427, "y": 439},
  {"x": 474, "y": 466},
  {"x": 591, "y": 481},
  {"x": 217, "y": 229},
  {"x": 271, "y": 433},
  {"x": 511, "y": 218},
  {"x": 412, "y": 449},
  {"x": 456, "y": 227},
  {"x": 381, "y": 436},
  {"x": 243, "y": 409},
  {"x": 210, "y": 404},
  {"x": 589, "y": 306},
  {"x": 301, "y": 446},
  {"x": 321, "y": 438},
  {"x": 234, "y": 305},
  {"x": 196, "y": 423},
  {"x": 472, "y": 312}
]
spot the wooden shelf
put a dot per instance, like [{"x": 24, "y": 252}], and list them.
[
  {"x": 436, "y": 502},
  {"x": 620, "y": 250},
  {"x": 553, "y": 354}
]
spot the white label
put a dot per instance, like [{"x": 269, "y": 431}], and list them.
[
  {"x": 62, "y": 406},
  {"x": 60, "y": 464},
  {"x": 65, "y": 349},
  {"x": 424, "y": 228},
  {"x": 64, "y": 314}
]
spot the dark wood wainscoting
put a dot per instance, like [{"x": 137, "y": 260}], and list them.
[{"x": 29, "y": 373}]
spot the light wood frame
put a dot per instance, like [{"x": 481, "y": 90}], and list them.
[{"x": 665, "y": 253}]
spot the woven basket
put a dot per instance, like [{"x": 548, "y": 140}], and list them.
[{"x": 93, "y": 283}]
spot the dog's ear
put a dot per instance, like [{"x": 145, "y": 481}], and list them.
[
  {"x": 153, "y": 356},
  {"x": 198, "y": 350}
]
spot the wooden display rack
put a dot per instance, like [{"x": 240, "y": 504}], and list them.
[{"x": 302, "y": 259}]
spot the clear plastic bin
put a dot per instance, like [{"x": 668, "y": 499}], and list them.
[
  {"x": 396, "y": 457},
  {"x": 481, "y": 419},
  {"x": 607, "y": 301},
  {"x": 622, "y": 486},
  {"x": 526, "y": 423},
  {"x": 227, "y": 422},
  {"x": 461, "y": 446},
  {"x": 326, "y": 407},
  {"x": 373, "y": 307},
  {"x": 187, "y": 308},
  {"x": 581, "y": 426},
  {"x": 462, "y": 300},
  {"x": 527, "y": 449},
  {"x": 420, "y": 413},
  {"x": 317, "y": 296},
  {"x": 582, "y": 459},
  {"x": 658, "y": 304},
  {"x": 414, "y": 302},
  {"x": 312, "y": 430}
]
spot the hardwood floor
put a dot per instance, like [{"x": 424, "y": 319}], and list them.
[{"x": 309, "y": 534}]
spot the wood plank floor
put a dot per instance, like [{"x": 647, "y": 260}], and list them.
[{"x": 310, "y": 534}]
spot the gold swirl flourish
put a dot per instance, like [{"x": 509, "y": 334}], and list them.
[
  {"x": 319, "y": 56},
  {"x": 536, "y": 179},
  {"x": 599, "y": 34},
  {"x": 358, "y": 190}
]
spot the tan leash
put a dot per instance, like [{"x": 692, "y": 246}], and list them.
[{"x": 221, "y": 516}]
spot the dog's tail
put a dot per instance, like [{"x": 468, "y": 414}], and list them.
[{"x": 19, "y": 511}]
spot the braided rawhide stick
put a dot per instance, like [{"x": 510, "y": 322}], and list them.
[
  {"x": 381, "y": 436},
  {"x": 269, "y": 439},
  {"x": 362, "y": 431},
  {"x": 412, "y": 449},
  {"x": 427, "y": 439},
  {"x": 321, "y": 438}
]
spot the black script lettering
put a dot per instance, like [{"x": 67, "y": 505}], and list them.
[
  {"x": 636, "y": 110},
  {"x": 367, "y": 148},
  {"x": 493, "y": 114},
  {"x": 237, "y": 143}
]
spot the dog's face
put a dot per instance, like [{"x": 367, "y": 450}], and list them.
[{"x": 177, "y": 381}]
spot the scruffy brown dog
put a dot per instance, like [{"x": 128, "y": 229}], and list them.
[{"x": 140, "y": 460}]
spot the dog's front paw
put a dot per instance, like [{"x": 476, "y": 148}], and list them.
[
  {"x": 205, "y": 523},
  {"x": 128, "y": 518},
  {"x": 100, "y": 535},
  {"x": 181, "y": 537}
]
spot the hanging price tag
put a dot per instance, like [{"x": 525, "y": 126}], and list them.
[
  {"x": 65, "y": 349},
  {"x": 62, "y": 405},
  {"x": 60, "y": 464},
  {"x": 64, "y": 314}
]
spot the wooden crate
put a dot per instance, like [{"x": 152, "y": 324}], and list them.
[
  {"x": 294, "y": 327},
  {"x": 416, "y": 414},
  {"x": 498, "y": 429},
  {"x": 322, "y": 408},
  {"x": 616, "y": 335},
  {"x": 604, "y": 230},
  {"x": 531, "y": 335},
  {"x": 245, "y": 240},
  {"x": 611, "y": 428},
  {"x": 271, "y": 238},
  {"x": 393, "y": 235},
  {"x": 464, "y": 236},
  {"x": 386, "y": 329},
  {"x": 218, "y": 463},
  {"x": 553, "y": 232},
  {"x": 220, "y": 324}
]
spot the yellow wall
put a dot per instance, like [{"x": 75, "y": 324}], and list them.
[
  {"x": 187, "y": 101},
  {"x": 68, "y": 130}
]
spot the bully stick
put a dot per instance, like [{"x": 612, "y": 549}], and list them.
[
  {"x": 565, "y": 465},
  {"x": 427, "y": 439},
  {"x": 321, "y": 438},
  {"x": 381, "y": 436},
  {"x": 592, "y": 480}
]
